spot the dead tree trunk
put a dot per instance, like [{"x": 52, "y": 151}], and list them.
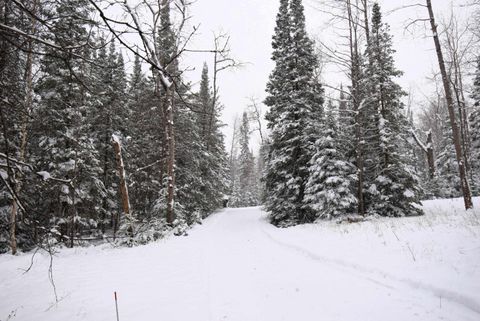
[
  {"x": 467, "y": 196},
  {"x": 123, "y": 182},
  {"x": 356, "y": 100}
]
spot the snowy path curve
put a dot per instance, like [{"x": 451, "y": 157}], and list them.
[{"x": 234, "y": 267}]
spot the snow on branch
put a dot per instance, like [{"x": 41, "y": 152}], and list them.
[
  {"x": 150, "y": 56},
  {"x": 43, "y": 174},
  {"x": 418, "y": 141}
]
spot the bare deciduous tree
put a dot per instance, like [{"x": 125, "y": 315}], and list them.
[{"x": 459, "y": 151}]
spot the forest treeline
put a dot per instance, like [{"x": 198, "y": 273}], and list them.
[{"x": 103, "y": 138}]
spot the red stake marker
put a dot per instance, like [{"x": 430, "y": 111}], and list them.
[{"x": 116, "y": 304}]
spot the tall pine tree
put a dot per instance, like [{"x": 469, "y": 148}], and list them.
[
  {"x": 213, "y": 158},
  {"x": 245, "y": 193},
  {"x": 295, "y": 99},
  {"x": 392, "y": 182}
]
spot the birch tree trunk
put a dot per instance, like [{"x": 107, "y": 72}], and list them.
[{"x": 467, "y": 196}]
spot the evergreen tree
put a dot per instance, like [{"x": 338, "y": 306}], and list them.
[
  {"x": 329, "y": 191},
  {"x": 66, "y": 148},
  {"x": 191, "y": 201},
  {"x": 143, "y": 152},
  {"x": 295, "y": 101},
  {"x": 213, "y": 158},
  {"x": 392, "y": 182},
  {"x": 109, "y": 117},
  {"x": 205, "y": 102},
  {"x": 245, "y": 193}
]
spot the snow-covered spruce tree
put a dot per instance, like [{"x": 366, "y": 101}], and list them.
[
  {"x": 143, "y": 153},
  {"x": 474, "y": 120},
  {"x": 213, "y": 160},
  {"x": 64, "y": 142},
  {"x": 393, "y": 186},
  {"x": 109, "y": 116},
  {"x": 245, "y": 193},
  {"x": 295, "y": 99},
  {"x": 190, "y": 200},
  {"x": 199, "y": 190},
  {"x": 204, "y": 102},
  {"x": 331, "y": 183}
]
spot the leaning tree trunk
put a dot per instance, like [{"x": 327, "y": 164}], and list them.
[
  {"x": 467, "y": 196},
  {"x": 123, "y": 182}
]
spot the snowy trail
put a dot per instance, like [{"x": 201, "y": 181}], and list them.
[{"x": 234, "y": 267}]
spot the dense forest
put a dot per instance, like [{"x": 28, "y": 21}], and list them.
[
  {"x": 362, "y": 155},
  {"x": 91, "y": 151},
  {"x": 97, "y": 150}
]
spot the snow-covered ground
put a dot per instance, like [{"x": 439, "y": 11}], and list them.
[{"x": 238, "y": 267}]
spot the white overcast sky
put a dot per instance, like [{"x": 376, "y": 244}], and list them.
[{"x": 250, "y": 24}]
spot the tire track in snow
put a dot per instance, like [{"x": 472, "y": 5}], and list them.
[{"x": 371, "y": 274}]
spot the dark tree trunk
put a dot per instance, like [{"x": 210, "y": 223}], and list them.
[
  {"x": 354, "y": 57},
  {"x": 430, "y": 155},
  {"x": 467, "y": 196},
  {"x": 170, "y": 136}
]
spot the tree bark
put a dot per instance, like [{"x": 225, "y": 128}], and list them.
[
  {"x": 467, "y": 196},
  {"x": 365, "y": 17},
  {"x": 13, "y": 225},
  {"x": 356, "y": 100},
  {"x": 170, "y": 136},
  {"x": 430, "y": 155}
]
